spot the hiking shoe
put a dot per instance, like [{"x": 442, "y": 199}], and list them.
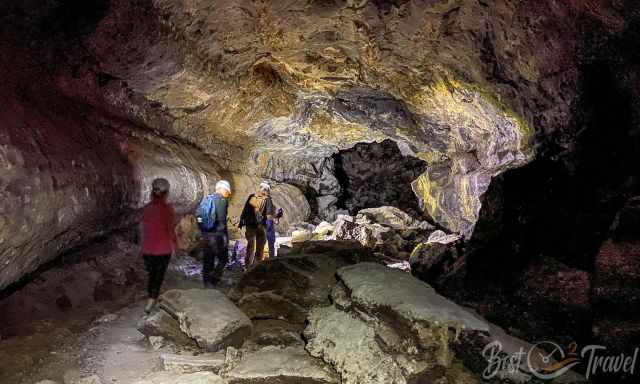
[{"x": 151, "y": 303}]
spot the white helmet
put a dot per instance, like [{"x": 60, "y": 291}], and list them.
[
  {"x": 223, "y": 184},
  {"x": 265, "y": 186}
]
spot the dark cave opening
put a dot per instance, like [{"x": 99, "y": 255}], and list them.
[{"x": 377, "y": 174}]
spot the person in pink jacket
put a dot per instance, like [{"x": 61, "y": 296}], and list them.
[{"x": 158, "y": 238}]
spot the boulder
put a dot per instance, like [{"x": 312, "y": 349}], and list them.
[
  {"x": 161, "y": 324},
  {"x": 208, "y": 317},
  {"x": 268, "y": 305},
  {"x": 323, "y": 230},
  {"x": 179, "y": 378},
  {"x": 387, "y": 327},
  {"x": 347, "y": 230},
  {"x": 281, "y": 366},
  {"x": 390, "y": 216},
  {"x": 299, "y": 236},
  {"x": 408, "y": 302},
  {"x": 184, "y": 364}
]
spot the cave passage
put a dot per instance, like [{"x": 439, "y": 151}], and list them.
[{"x": 377, "y": 174}]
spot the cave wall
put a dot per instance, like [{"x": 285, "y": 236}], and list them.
[{"x": 67, "y": 181}]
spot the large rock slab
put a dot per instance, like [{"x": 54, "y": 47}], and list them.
[
  {"x": 385, "y": 326},
  {"x": 304, "y": 279},
  {"x": 208, "y": 317},
  {"x": 281, "y": 366},
  {"x": 177, "y": 378},
  {"x": 375, "y": 287}
]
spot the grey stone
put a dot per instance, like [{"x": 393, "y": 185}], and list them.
[
  {"x": 349, "y": 345},
  {"x": 281, "y": 366},
  {"x": 182, "y": 364},
  {"x": 346, "y": 230},
  {"x": 390, "y": 216},
  {"x": 161, "y": 324},
  {"x": 268, "y": 305},
  {"x": 208, "y": 317},
  {"x": 178, "y": 378},
  {"x": 374, "y": 287}
]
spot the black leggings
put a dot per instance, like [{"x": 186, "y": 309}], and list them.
[{"x": 156, "y": 266}]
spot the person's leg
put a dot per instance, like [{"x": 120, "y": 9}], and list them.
[
  {"x": 149, "y": 265},
  {"x": 250, "y": 234},
  {"x": 208, "y": 260},
  {"x": 222, "y": 256},
  {"x": 261, "y": 239},
  {"x": 271, "y": 241},
  {"x": 163, "y": 264}
]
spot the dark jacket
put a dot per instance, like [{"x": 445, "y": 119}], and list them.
[
  {"x": 222, "y": 206},
  {"x": 248, "y": 216}
]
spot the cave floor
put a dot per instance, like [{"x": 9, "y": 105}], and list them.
[{"x": 98, "y": 339}]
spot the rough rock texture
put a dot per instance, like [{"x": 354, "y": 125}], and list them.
[
  {"x": 208, "y": 317},
  {"x": 376, "y": 174},
  {"x": 177, "y": 378},
  {"x": 437, "y": 259},
  {"x": 191, "y": 364},
  {"x": 278, "y": 333},
  {"x": 387, "y": 327},
  {"x": 161, "y": 324},
  {"x": 64, "y": 184},
  {"x": 267, "y": 305},
  {"x": 281, "y": 366},
  {"x": 295, "y": 282},
  {"x": 276, "y": 89}
]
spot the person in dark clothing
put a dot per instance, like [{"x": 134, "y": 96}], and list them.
[
  {"x": 158, "y": 238},
  {"x": 257, "y": 210},
  {"x": 215, "y": 240}
]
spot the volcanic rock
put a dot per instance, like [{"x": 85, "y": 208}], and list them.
[
  {"x": 208, "y": 317},
  {"x": 179, "y": 378},
  {"x": 282, "y": 366}
]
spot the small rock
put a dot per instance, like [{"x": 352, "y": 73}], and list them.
[
  {"x": 213, "y": 362},
  {"x": 178, "y": 378},
  {"x": 108, "y": 318},
  {"x": 300, "y": 236},
  {"x": 157, "y": 342}
]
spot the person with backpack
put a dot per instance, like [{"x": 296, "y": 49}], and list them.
[
  {"x": 158, "y": 238},
  {"x": 257, "y": 210},
  {"x": 212, "y": 220}
]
